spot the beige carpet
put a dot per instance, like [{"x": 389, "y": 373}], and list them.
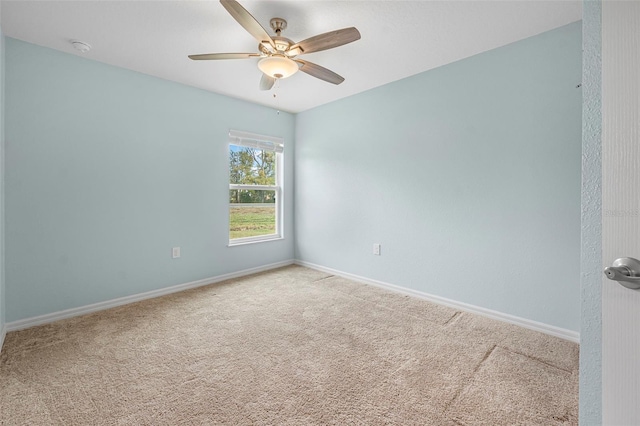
[{"x": 291, "y": 346}]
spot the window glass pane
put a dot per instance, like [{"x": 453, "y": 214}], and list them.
[
  {"x": 251, "y": 166},
  {"x": 252, "y": 213}
]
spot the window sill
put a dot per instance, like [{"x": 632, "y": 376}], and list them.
[{"x": 237, "y": 242}]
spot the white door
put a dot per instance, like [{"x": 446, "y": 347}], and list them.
[{"x": 621, "y": 209}]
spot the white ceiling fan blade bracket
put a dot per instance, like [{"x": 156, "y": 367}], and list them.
[
  {"x": 294, "y": 51},
  {"x": 266, "y": 47}
]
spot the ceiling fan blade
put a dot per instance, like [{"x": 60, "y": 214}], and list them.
[
  {"x": 247, "y": 21},
  {"x": 319, "y": 72},
  {"x": 211, "y": 56},
  {"x": 266, "y": 82},
  {"x": 326, "y": 41}
]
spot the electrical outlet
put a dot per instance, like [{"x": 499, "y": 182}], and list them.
[
  {"x": 175, "y": 253},
  {"x": 376, "y": 249}
]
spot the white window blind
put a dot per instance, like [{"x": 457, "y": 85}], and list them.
[{"x": 251, "y": 140}]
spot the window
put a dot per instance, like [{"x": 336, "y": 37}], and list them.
[{"x": 255, "y": 188}]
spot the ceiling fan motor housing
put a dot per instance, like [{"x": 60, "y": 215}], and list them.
[{"x": 282, "y": 44}]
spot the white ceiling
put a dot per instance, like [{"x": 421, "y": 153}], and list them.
[{"x": 399, "y": 38}]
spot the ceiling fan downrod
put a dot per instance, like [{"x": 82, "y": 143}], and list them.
[{"x": 278, "y": 25}]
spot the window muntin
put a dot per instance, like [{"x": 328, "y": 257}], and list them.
[{"x": 255, "y": 188}]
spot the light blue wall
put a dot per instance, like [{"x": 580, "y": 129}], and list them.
[
  {"x": 468, "y": 175},
  {"x": 591, "y": 259},
  {"x": 107, "y": 170}
]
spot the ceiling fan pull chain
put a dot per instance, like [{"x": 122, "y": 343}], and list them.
[{"x": 276, "y": 86}]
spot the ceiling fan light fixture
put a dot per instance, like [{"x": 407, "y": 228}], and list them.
[{"x": 278, "y": 66}]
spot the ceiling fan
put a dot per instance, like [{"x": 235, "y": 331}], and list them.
[{"x": 279, "y": 53}]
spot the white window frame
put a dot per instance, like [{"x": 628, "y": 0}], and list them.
[{"x": 266, "y": 143}]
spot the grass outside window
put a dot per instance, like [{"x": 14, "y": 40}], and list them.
[{"x": 251, "y": 220}]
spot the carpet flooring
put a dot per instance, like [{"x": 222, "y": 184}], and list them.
[{"x": 291, "y": 346}]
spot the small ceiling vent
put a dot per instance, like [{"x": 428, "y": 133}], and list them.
[{"x": 81, "y": 46}]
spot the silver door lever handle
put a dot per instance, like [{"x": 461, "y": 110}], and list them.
[{"x": 626, "y": 271}]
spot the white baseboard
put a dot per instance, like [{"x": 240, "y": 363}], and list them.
[
  {"x": 3, "y": 333},
  {"x": 82, "y": 310},
  {"x": 511, "y": 319}
]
